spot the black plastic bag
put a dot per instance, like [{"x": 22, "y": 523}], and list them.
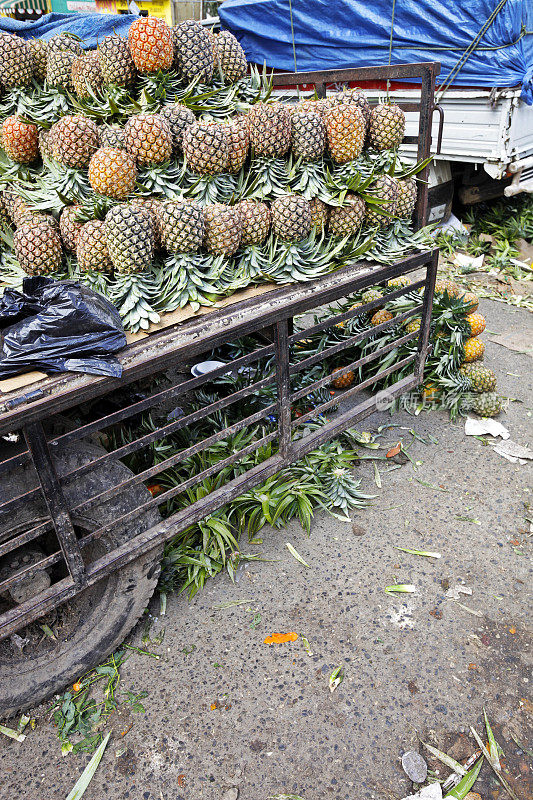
[{"x": 58, "y": 326}]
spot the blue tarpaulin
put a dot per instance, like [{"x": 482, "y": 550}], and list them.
[
  {"x": 356, "y": 33},
  {"x": 89, "y": 27}
]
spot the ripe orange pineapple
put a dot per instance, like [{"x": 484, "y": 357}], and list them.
[
  {"x": 112, "y": 172},
  {"x": 476, "y": 323},
  {"x": 474, "y": 350},
  {"x": 343, "y": 381},
  {"x": 346, "y": 129},
  {"x": 381, "y": 316},
  {"x": 151, "y": 44},
  {"x": 20, "y": 140}
]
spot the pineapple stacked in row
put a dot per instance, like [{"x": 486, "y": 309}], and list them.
[
  {"x": 454, "y": 371},
  {"x": 159, "y": 187}
]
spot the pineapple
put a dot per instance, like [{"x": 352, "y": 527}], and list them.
[
  {"x": 474, "y": 350},
  {"x": 112, "y": 136},
  {"x": 148, "y": 139},
  {"x": 86, "y": 74},
  {"x": 116, "y": 62},
  {"x": 399, "y": 283},
  {"x": 482, "y": 379},
  {"x": 206, "y": 148},
  {"x": 238, "y": 133},
  {"x": 446, "y": 286},
  {"x": 381, "y": 316},
  {"x": 308, "y": 135},
  {"x": 343, "y": 381},
  {"x": 37, "y": 248},
  {"x": 45, "y": 143},
  {"x": 471, "y": 300},
  {"x": 151, "y": 44},
  {"x": 179, "y": 118},
  {"x": 182, "y": 226},
  {"x": 488, "y": 404},
  {"x": 70, "y": 226},
  {"x": 270, "y": 129},
  {"x": 319, "y": 214},
  {"x": 129, "y": 239},
  {"x": 65, "y": 42},
  {"x": 430, "y": 391},
  {"x": 74, "y": 139},
  {"x": 36, "y": 218},
  {"x": 476, "y": 323},
  {"x": 223, "y": 229},
  {"x": 112, "y": 172},
  {"x": 91, "y": 247},
  {"x": 346, "y": 220},
  {"x": 370, "y": 295},
  {"x": 384, "y": 188},
  {"x": 255, "y": 221},
  {"x": 346, "y": 132},
  {"x": 291, "y": 217},
  {"x": 16, "y": 66},
  {"x": 59, "y": 69},
  {"x": 229, "y": 57},
  {"x": 152, "y": 208},
  {"x": 39, "y": 51},
  {"x": 63, "y": 49},
  {"x": 406, "y": 202},
  {"x": 386, "y": 127},
  {"x": 193, "y": 51},
  {"x": 354, "y": 97},
  {"x": 20, "y": 140},
  {"x": 413, "y": 325}
]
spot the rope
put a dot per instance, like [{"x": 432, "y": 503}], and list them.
[
  {"x": 390, "y": 42},
  {"x": 292, "y": 34},
  {"x": 468, "y": 52}
]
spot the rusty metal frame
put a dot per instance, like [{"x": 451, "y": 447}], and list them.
[
  {"x": 26, "y": 410},
  {"x": 224, "y": 326},
  {"x": 425, "y": 71}
]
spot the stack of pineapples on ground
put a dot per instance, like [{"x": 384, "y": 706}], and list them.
[
  {"x": 160, "y": 170},
  {"x": 455, "y": 376}
]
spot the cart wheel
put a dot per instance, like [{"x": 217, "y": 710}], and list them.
[{"x": 33, "y": 666}]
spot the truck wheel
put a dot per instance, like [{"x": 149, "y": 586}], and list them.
[{"x": 33, "y": 666}]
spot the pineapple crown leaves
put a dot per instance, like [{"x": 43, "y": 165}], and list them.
[{"x": 6, "y": 234}]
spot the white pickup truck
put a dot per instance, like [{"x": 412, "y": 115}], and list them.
[{"x": 487, "y": 145}]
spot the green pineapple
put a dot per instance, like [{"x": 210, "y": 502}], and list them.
[
  {"x": 481, "y": 379},
  {"x": 487, "y": 404}
]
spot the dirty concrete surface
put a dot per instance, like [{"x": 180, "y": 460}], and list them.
[{"x": 226, "y": 710}]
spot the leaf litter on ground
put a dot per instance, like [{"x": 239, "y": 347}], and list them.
[
  {"x": 88, "y": 773},
  {"x": 412, "y": 551},
  {"x": 336, "y": 678},
  {"x": 295, "y": 554},
  {"x": 407, "y": 588}
]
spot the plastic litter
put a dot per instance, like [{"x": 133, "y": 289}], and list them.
[{"x": 58, "y": 326}]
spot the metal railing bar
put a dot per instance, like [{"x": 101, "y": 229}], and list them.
[
  {"x": 23, "y": 538},
  {"x": 182, "y": 487},
  {"x": 174, "y": 391},
  {"x": 166, "y": 430},
  {"x": 353, "y": 340},
  {"x": 349, "y": 392},
  {"x": 141, "y": 477},
  {"x": 354, "y": 365},
  {"x": 355, "y": 312}
]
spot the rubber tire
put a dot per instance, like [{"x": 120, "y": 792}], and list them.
[{"x": 107, "y": 611}]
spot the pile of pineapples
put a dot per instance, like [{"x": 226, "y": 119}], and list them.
[
  {"x": 160, "y": 170},
  {"x": 455, "y": 376}
]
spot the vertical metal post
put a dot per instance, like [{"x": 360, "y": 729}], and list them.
[
  {"x": 427, "y": 306},
  {"x": 281, "y": 343},
  {"x": 320, "y": 89},
  {"x": 55, "y": 500},
  {"x": 427, "y": 99}
]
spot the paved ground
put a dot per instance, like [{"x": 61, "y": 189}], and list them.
[{"x": 226, "y": 710}]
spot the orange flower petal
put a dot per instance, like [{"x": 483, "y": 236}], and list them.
[{"x": 281, "y": 638}]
